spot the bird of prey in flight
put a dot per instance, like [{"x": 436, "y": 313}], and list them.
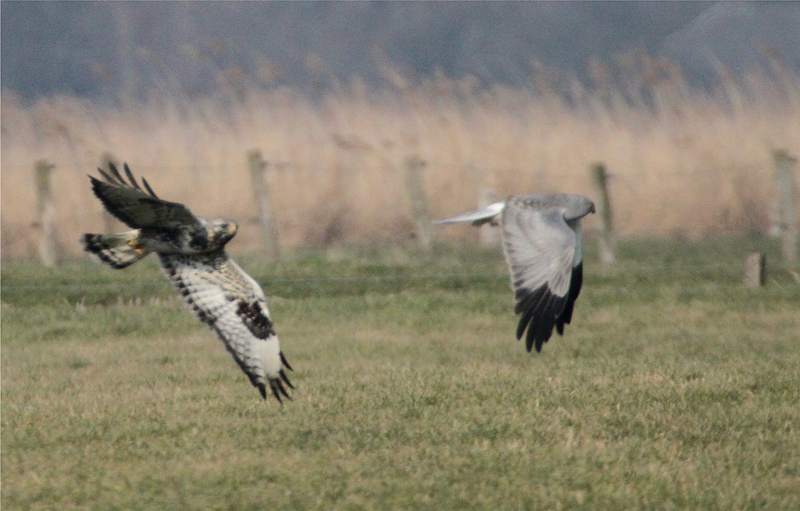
[
  {"x": 192, "y": 254},
  {"x": 542, "y": 244}
]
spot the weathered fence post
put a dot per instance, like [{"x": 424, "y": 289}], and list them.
[
  {"x": 488, "y": 234},
  {"x": 607, "y": 243},
  {"x": 45, "y": 214},
  {"x": 784, "y": 167},
  {"x": 269, "y": 234},
  {"x": 755, "y": 270},
  {"x": 419, "y": 202}
]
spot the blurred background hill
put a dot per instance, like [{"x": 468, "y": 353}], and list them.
[{"x": 99, "y": 49}]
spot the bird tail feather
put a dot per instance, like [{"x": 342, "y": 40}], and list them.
[
  {"x": 490, "y": 213},
  {"x": 116, "y": 250}
]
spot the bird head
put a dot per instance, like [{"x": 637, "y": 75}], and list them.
[
  {"x": 576, "y": 206},
  {"x": 221, "y": 232}
]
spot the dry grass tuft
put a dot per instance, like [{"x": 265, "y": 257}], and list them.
[{"x": 683, "y": 161}]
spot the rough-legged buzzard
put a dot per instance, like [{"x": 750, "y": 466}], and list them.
[{"x": 192, "y": 254}]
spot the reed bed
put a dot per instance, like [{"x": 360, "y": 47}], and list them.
[{"x": 684, "y": 161}]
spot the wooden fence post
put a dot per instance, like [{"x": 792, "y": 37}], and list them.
[
  {"x": 784, "y": 168},
  {"x": 489, "y": 234},
  {"x": 45, "y": 214},
  {"x": 419, "y": 202},
  {"x": 755, "y": 266},
  {"x": 269, "y": 234},
  {"x": 607, "y": 242}
]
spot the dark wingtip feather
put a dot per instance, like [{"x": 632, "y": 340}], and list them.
[
  {"x": 105, "y": 175},
  {"x": 95, "y": 183},
  {"x": 263, "y": 390},
  {"x": 285, "y": 379},
  {"x": 130, "y": 176},
  {"x": 523, "y": 324},
  {"x": 283, "y": 360},
  {"x": 282, "y": 389},
  {"x": 149, "y": 190},
  {"x": 529, "y": 339},
  {"x": 116, "y": 173},
  {"x": 275, "y": 393},
  {"x": 86, "y": 241}
]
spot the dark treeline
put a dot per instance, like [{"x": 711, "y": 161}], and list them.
[{"x": 104, "y": 49}]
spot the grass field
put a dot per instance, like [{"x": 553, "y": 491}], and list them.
[{"x": 674, "y": 388}]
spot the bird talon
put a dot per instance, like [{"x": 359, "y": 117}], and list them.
[
  {"x": 194, "y": 261},
  {"x": 139, "y": 249}
]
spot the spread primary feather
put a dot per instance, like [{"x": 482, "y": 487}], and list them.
[
  {"x": 542, "y": 243},
  {"x": 192, "y": 253}
]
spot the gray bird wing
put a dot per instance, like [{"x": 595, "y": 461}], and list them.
[
  {"x": 232, "y": 304},
  {"x": 136, "y": 207},
  {"x": 544, "y": 257}
]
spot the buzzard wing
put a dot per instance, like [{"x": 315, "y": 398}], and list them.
[
  {"x": 136, "y": 207},
  {"x": 232, "y": 304}
]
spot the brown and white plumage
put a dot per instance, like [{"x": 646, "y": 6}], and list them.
[
  {"x": 192, "y": 253},
  {"x": 542, "y": 242}
]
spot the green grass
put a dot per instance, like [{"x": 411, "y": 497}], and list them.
[{"x": 674, "y": 388}]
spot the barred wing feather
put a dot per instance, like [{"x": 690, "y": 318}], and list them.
[{"x": 232, "y": 304}]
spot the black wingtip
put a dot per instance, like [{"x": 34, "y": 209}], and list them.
[
  {"x": 105, "y": 175},
  {"x": 285, "y": 379},
  {"x": 149, "y": 190},
  {"x": 116, "y": 173},
  {"x": 263, "y": 390},
  {"x": 283, "y": 360},
  {"x": 95, "y": 182},
  {"x": 130, "y": 176},
  {"x": 275, "y": 393},
  {"x": 283, "y": 390},
  {"x": 87, "y": 241},
  {"x": 529, "y": 344}
]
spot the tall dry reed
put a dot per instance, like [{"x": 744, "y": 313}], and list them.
[{"x": 684, "y": 161}]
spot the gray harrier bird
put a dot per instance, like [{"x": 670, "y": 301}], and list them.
[
  {"x": 542, "y": 243},
  {"x": 192, "y": 254}
]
